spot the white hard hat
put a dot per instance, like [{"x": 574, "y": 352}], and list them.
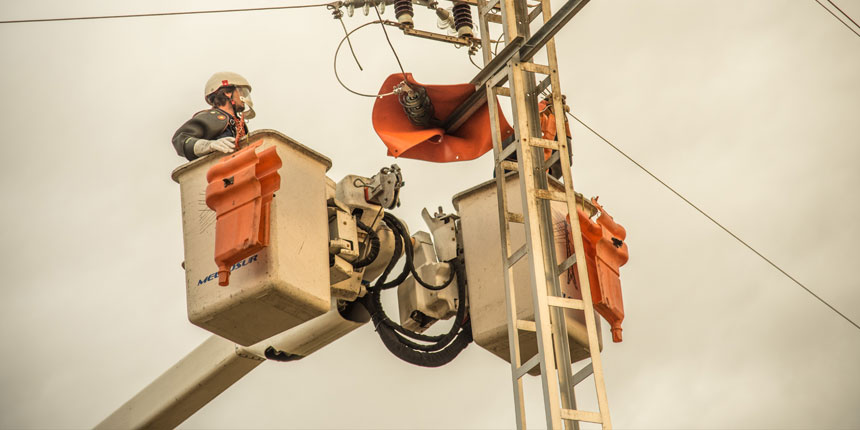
[{"x": 227, "y": 79}]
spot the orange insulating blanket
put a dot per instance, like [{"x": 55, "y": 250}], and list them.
[
  {"x": 605, "y": 253},
  {"x": 240, "y": 191},
  {"x": 404, "y": 139}
]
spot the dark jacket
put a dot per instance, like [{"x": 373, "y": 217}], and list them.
[{"x": 210, "y": 124}]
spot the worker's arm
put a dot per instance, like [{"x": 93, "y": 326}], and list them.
[{"x": 192, "y": 139}]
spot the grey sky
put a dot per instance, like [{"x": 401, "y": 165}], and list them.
[{"x": 750, "y": 108}]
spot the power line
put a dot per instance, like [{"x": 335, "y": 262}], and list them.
[
  {"x": 837, "y": 17},
  {"x": 843, "y": 12},
  {"x": 713, "y": 220},
  {"x": 396, "y": 57},
  {"x": 338, "y": 14},
  {"x": 145, "y": 15},
  {"x": 337, "y": 76}
]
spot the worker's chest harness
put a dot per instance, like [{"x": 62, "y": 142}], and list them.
[{"x": 232, "y": 130}]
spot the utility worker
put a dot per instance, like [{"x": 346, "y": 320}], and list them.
[
  {"x": 548, "y": 130},
  {"x": 219, "y": 127}
]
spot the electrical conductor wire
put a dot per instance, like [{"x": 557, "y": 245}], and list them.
[
  {"x": 145, "y": 15},
  {"x": 843, "y": 12},
  {"x": 337, "y": 76},
  {"x": 473, "y": 61},
  {"x": 837, "y": 17},
  {"x": 396, "y": 57},
  {"x": 349, "y": 42},
  {"x": 713, "y": 220}
]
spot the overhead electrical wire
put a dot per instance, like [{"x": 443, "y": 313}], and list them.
[
  {"x": 338, "y": 15},
  {"x": 396, "y": 57},
  {"x": 381, "y": 22},
  {"x": 471, "y": 54},
  {"x": 717, "y": 223},
  {"x": 843, "y": 12},
  {"x": 337, "y": 76},
  {"x": 334, "y": 4},
  {"x": 837, "y": 17},
  {"x": 146, "y": 15}
]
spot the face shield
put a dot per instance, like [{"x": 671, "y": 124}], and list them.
[{"x": 245, "y": 96}]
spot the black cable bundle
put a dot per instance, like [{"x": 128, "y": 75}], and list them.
[
  {"x": 440, "y": 349},
  {"x": 374, "y": 246}
]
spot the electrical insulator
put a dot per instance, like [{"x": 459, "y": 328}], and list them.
[
  {"x": 365, "y": 5},
  {"x": 416, "y": 104},
  {"x": 463, "y": 19},
  {"x": 403, "y": 11}
]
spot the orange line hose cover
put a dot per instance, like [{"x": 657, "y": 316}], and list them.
[
  {"x": 605, "y": 253},
  {"x": 240, "y": 191}
]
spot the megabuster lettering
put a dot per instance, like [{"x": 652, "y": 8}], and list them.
[{"x": 236, "y": 266}]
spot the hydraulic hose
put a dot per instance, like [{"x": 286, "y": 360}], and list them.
[
  {"x": 396, "y": 225},
  {"x": 400, "y": 232},
  {"x": 441, "y": 349},
  {"x": 445, "y": 348},
  {"x": 374, "y": 246},
  {"x": 427, "y": 359},
  {"x": 400, "y": 238}
]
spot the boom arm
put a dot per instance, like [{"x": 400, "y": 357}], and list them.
[{"x": 217, "y": 363}]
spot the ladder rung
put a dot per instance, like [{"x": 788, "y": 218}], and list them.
[
  {"x": 583, "y": 373},
  {"x": 514, "y": 217},
  {"x": 551, "y": 195},
  {"x": 536, "y": 68},
  {"x": 508, "y": 150},
  {"x": 509, "y": 165},
  {"x": 503, "y": 91},
  {"x": 516, "y": 256},
  {"x": 567, "y": 264},
  {"x": 575, "y": 415},
  {"x": 526, "y": 325},
  {"x": 528, "y": 365},
  {"x": 564, "y": 302},
  {"x": 494, "y": 18},
  {"x": 543, "y": 143}
]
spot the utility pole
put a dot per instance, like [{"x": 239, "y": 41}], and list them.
[{"x": 513, "y": 64}]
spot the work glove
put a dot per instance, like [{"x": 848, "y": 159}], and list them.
[{"x": 224, "y": 144}]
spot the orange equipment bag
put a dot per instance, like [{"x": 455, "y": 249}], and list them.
[
  {"x": 404, "y": 139},
  {"x": 605, "y": 253},
  {"x": 240, "y": 191}
]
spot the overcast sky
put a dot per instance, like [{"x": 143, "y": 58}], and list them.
[{"x": 751, "y": 108}]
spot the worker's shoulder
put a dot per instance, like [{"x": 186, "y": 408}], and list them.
[{"x": 213, "y": 115}]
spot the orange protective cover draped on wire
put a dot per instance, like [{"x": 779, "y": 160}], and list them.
[{"x": 403, "y": 139}]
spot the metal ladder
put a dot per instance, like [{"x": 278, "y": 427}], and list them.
[{"x": 553, "y": 355}]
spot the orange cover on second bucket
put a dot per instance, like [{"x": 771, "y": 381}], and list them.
[
  {"x": 404, "y": 139},
  {"x": 605, "y": 253}
]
